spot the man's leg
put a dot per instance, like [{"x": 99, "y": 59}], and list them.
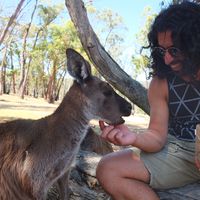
[{"x": 123, "y": 175}]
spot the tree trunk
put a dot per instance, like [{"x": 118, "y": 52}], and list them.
[
  {"x": 59, "y": 85},
  {"x": 51, "y": 85},
  {"x": 10, "y": 22},
  {"x": 108, "y": 68},
  {"x": 3, "y": 72},
  {"x": 24, "y": 69},
  {"x": 12, "y": 78}
]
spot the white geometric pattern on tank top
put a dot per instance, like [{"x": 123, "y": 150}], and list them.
[{"x": 185, "y": 110}]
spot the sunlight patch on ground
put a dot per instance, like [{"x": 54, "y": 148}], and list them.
[{"x": 12, "y": 107}]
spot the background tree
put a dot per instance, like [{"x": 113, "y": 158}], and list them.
[
  {"x": 112, "y": 28},
  {"x": 11, "y": 21},
  {"x": 141, "y": 56},
  {"x": 24, "y": 66},
  {"x": 34, "y": 60}
]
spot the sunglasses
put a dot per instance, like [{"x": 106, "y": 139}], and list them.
[{"x": 172, "y": 51}]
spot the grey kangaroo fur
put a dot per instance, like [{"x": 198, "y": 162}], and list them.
[{"x": 35, "y": 154}]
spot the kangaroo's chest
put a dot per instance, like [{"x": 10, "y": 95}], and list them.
[
  {"x": 60, "y": 166},
  {"x": 64, "y": 158},
  {"x": 50, "y": 159}
]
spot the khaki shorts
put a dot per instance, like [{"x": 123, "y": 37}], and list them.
[{"x": 173, "y": 166}]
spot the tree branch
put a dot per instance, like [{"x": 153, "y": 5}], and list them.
[{"x": 103, "y": 62}]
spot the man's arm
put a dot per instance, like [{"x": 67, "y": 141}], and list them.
[{"x": 152, "y": 139}]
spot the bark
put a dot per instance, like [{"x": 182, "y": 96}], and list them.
[
  {"x": 12, "y": 79},
  {"x": 3, "y": 72},
  {"x": 59, "y": 85},
  {"x": 24, "y": 70},
  {"x": 11, "y": 20},
  {"x": 103, "y": 62},
  {"x": 51, "y": 85}
]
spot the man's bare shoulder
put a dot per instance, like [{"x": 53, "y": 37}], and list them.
[
  {"x": 158, "y": 83},
  {"x": 158, "y": 87}
]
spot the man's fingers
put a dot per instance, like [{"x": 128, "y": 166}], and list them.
[{"x": 101, "y": 125}]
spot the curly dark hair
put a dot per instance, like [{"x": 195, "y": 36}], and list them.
[{"x": 183, "y": 20}]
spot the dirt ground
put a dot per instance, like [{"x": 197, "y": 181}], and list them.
[{"x": 12, "y": 107}]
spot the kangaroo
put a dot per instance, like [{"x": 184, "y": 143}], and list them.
[{"x": 35, "y": 154}]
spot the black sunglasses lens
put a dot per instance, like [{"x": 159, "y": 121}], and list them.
[
  {"x": 159, "y": 51},
  {"x": 174, "y": 52}
]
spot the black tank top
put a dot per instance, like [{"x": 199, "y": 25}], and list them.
[{"x": 184, "y": 108}]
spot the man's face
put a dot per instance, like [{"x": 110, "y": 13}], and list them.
[{"x": 172, "y": 56}]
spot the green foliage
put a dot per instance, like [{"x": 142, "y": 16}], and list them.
[
  {"x": 48, "y": 39},
  {"x": 48, "y": 14},
  {"x": 141, "y": 59},
  {"x": 110, "y": 31}
]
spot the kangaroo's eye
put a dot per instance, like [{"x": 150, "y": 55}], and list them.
[{"x": 108, "y": 93}]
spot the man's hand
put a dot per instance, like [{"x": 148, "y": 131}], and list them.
[{"x": 118, "y": 135}]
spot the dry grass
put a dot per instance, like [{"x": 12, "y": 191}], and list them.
[{"x": 12, "y": 107}]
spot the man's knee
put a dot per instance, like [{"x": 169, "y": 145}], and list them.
[
  {"x": 102, "y": 170},
  {"x": 106, "y": 172},
  {"x": 108, "y": 177}
]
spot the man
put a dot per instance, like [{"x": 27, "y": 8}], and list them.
[{"x": 167, "y": 146}]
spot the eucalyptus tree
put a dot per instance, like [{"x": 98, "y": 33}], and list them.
[
  {"x": 11, "y": 21},
  {"x": 47, "y": 14},
  {"x": 112, "y": 32},
  {"x": 141, "y": 59},
  {"x": 59, "y": 38},
  {"x": 6, "y": 37},
  {"x": 23, "y": 65}
]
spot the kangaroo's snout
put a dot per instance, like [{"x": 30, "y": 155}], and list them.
[
  {"x": 126, "y": 109},
  {"x": 125, "y": 106}
]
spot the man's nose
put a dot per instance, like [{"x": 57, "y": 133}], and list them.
[{"x": 167, "y": 58}]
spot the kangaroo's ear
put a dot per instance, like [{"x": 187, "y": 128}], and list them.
[{"x": 77, "y": 66}]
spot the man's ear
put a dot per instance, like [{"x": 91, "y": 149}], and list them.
[{"x": 77, "y": 66}]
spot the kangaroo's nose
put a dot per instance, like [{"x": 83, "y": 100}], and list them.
[{"x": 126, "y": 109}]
